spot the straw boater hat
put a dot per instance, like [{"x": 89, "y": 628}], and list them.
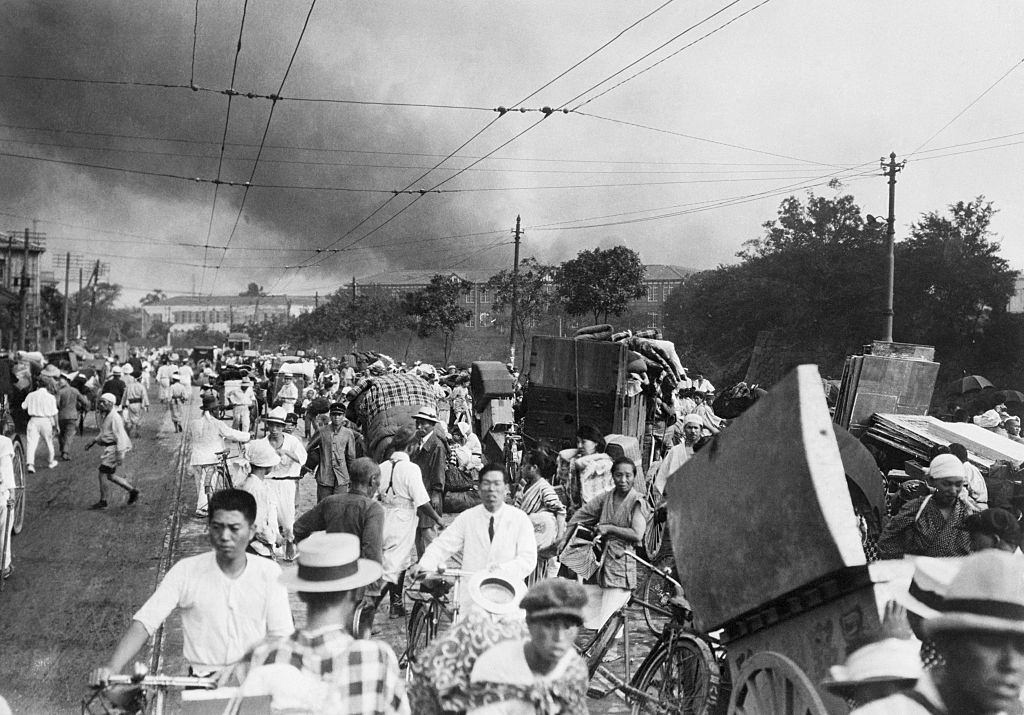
[
  {"x": 331, "y": 563},
  {"x": 928, "y": 588},
  {"x": 107, "y": 397},
  {"x": 884, "y": 661},
  {"x": 495, "y": 593},
  {"x": 426, "y": 413},
  {"x": 986, "y": 596},
  {"x": 50, "y": 370},
  {"x": 210, "y": 401},
  {"x": 116, "y": 370},
  {"x": 278, "y": 414},
  {"x": 127, "y": 369},
  {"x": 261, "y": 454}
]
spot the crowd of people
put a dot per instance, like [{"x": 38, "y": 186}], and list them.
[{"x": 546, "y": 546}]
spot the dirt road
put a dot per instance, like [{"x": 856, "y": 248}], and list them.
[{"x": 78, "y": 574}]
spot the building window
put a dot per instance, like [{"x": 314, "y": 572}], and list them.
[
  {"x": 469, "y": 298},
  {"x": 482, "y": 292},
  {"x": 471, "y": 323},
  {"x": 652, "y": 292}
]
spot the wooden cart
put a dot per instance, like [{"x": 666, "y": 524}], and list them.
[{"x": 767, "y": 544}]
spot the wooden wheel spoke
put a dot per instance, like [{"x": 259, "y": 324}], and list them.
[{"x": 771, "y": 684}]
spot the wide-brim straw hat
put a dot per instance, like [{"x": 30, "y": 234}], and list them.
[
  {"x": 890, "y": 660},
  {"x": 330, "y": 563},
  {"x": 278, "y": 414},
  {"x": 425, "y": 414},
  {"x": 986, "y": 596},
  {"x": 261, "y": 454},
  {"x": 496, "y": 593},
  {"x": 928, "y": 587}
]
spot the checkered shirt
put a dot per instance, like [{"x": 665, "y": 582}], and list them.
[
  {"x": 920, "y": 529},
  {"x": 363, "y": 674},
  {"x": 381, "y": 392}
]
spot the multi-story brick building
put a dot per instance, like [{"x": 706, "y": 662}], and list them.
[
  {"x": 659, "y": 280},
  {"x": 219, "y": 313}
]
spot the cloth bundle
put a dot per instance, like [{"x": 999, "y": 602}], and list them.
[{"x": 594, "y": 332}]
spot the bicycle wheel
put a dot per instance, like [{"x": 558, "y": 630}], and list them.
[
  {"x": 658, "y": 591},
  {"x": 679, "y": 678},
  {"x": 421, "y": 632},
  {"x": 19, "y": 483}
]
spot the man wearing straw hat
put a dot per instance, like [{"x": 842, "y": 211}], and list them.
[
  {"x": 322, "y": 667},
  {"x": 980, "y": 634}
]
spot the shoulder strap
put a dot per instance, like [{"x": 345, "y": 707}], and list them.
[
  {"x": 924, "y": 503},
  {"x": 391, "y": 477},
  {"x": 924, "y": 702}
]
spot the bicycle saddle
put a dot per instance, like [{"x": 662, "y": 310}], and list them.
[{"x": 436, "y": 587}]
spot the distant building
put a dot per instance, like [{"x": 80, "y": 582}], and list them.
[
  {"x": 219, "y": 313},
  {"x": 20, "y": 268},
  {"x": 659, "y": 280},
  {"x": 1016, "y": 304}
]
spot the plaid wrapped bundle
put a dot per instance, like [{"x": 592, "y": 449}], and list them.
[{"x": 373, "y": 395}]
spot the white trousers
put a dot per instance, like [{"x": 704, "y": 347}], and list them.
[
  {"x": 5, "y": 558},
  {"x": 39, "y": 427},
  {"x": 284, "y": 494},
  {"x": 240, "y": 417}
]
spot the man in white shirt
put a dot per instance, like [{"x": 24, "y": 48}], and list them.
[
  {"x": 41, "y": 406},
  {"x": 284, "y": 478},
  {"x": 7, "y": 497},
  {"x": 492, "y": 536},
  {"x": 229, "y": 600},
  {"x": 288, "y": 393},
  {"x": 208, "y": 434}
]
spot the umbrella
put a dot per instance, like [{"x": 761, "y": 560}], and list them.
[
  {"x": 1006, "y": 396},
  {"x": 970, "y": 383}
]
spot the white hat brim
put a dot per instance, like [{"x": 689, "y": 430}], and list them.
[
  {"x": 367, "y": 572},
  {"x": 499, "y": 609},
  {"x": 959, "y": 621}
]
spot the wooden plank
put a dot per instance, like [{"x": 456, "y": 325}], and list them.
[
  {"x": 892, "y": 385},
  {"x": 906, "y": 351},
  {"x": 589, "y": 365},
  {"x": 765, "y": 508}
]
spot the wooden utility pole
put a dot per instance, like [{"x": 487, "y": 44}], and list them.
[
  {"x": 353, "y": 287},
  {"x": 890, "y": 168},
  {"x": 94, "y": 279},
  {"x": 23, "y": 298},
  {"x": 515, "y": 293},
  {"x": 67, "y": 285}
]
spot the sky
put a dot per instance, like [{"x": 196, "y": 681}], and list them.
[{"x": 688, "y": 123}]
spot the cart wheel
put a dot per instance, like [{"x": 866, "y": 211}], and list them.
[
  {"x": 769, "y": 683},
  {"x": 19, "y": 486}
]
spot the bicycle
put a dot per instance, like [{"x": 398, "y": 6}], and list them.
[
  {"x": 682, "y": 673},
  {"x": 132, "y": 694},
  {"x": 217, "y": 476},
  {"x": 433, "y": 598}
]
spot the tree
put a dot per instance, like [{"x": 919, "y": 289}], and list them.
[
  {"x": 951, "y": 286},
  {"x": 253, "y": 290},
  {"x": 367, "y": 315},
  {"x": 153, "y": 297},
  {"x": 435, "y": 308},
  {"x": 534, "y": 296},
  {"x": 600, "y": 282},
  {"x": 817, "y": 277}
]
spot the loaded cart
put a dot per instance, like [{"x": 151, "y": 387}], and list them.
[{"x": 770, "y": 550}]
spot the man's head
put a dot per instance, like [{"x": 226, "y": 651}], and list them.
[
  {"x": 107, "y": 402},
  {"x": 232, "y": 513},
  {"x": 276, "y": 420},
  {"x": 692, "y": 426},
  {"x": 980, "y": 634},
  {"x": 337, "y": 413},
  {"x": 554, "y": 614},
  {"x": 947, "y": 476},
  {"x": 1012, "y": 426},
  {"x": 364, "y": 476},
  {"x": 403, "y": 439},
  {"x": 993, "y": 528},
  {"x": 425, "y": 420},
  {"x": 262, "y": 457},
  {"x": 330, "y": 575},
  {"x": 493, "y": 482}
]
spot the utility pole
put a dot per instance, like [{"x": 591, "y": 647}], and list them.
[
  {"x": 353, "y": 287},
  {"x": 94, "y": 279},
  {"x": 78, "y": 305},
  {"x": 515, "y": 293},
  {"x": 890, "y": 168},
  {"x": 23, "y": 298},
  {"x": 67, "y": 284}
]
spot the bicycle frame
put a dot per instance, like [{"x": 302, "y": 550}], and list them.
[{"x": 159, "y": 684}]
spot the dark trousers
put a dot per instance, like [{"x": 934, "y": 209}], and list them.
[
  {"x": 322, "y": 492},
  {"x": 67, "y": 433}
]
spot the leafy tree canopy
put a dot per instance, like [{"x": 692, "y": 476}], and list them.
[
  {"x": 436, "y": 308},
  {"x": 600, "y": 282},
  {"x": 534, "y": 297},
  {"x": 254, "y": 290}
]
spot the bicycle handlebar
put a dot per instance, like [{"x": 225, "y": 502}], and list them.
[
  {"x": 652, "y": 567},
  {"x": 163, "y": 681}
]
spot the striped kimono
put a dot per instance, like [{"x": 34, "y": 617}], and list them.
[{"x": 539, "y": 497}]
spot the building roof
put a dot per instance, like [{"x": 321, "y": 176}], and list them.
[
  {"x": 184, "y": 301},
  {"x": 655, "y": 272},
  {"x": 422, "y": 277},
  {"x": 662, "y": 272}
]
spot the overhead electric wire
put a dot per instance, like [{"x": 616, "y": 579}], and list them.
[
  {"x": 444, "y": 160},
  {"x": 667, "y": 57},
  {"x": 263, "y": 139},
  {"x": 195, "y": 37},
  {"x": 970, "y": 104},
  {"x": 288, "y": 147},
  {"x": 224, "y": 138}
]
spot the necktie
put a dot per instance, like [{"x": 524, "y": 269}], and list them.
[{"x": 490, "y": 529}]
